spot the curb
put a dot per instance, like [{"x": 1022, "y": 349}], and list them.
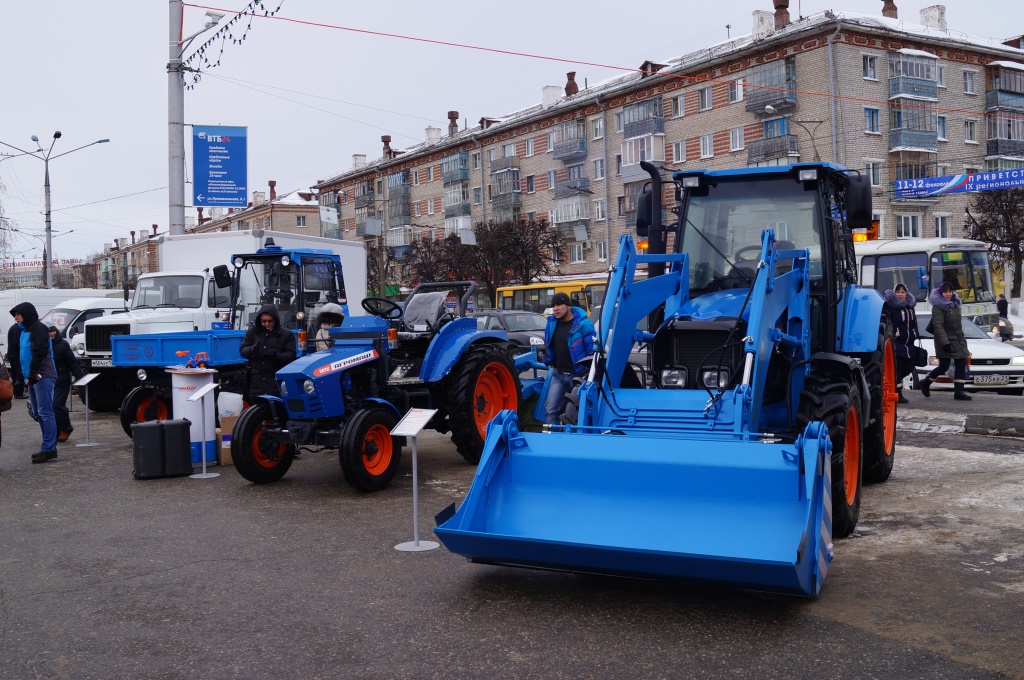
[
  {"x": 1007, "y": 426},
  {"x": 935, "y": 422}
]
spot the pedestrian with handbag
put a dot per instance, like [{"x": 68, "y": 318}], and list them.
[
  {"x": 901, "y": 304},
  {"x": 950, "y": 343}
]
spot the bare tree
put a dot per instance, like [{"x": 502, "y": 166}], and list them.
[
  {"x": 374, "y": 275},
  {"x": 429, "y": 261},
  {"x": 997, "y": 218}
]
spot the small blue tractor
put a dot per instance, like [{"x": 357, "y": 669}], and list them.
[
  {"x": 772, "y": 398},
  {"x": 349, "y": 397}
]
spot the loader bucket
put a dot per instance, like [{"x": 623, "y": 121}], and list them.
[{"x": 739, "y": 514}]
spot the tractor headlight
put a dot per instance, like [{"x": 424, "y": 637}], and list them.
[
  {"x": 285, "y": 260},
  {"x": 540, "y": 341},
  {"x": 300, "y": 316},
  {"x": 239, "y": 263},
  {"x": 308, "y": 387},
  {"x": 715, "y": 379},
  {"x": 141, "y": 374},
  {"x": 671, "y": 377},
  {"x": 1017, "y": 361},
  {"x": 80, "y": 348},
  {"x": 223, "y": 316},
  {"x": 807, "y": 175},
  {"x": 284, "y": 388}
]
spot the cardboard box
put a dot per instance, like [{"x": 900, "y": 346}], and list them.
[{"x": 227, "y": 426}]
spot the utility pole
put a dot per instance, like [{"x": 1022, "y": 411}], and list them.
[{"x": 176, "y": 123}]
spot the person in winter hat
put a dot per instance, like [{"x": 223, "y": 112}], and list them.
[
  {"x": 901, "y": 303},
  {"x": 40, "y": 375},
  {"x": 569, "y": 338},
  {"x": 269, "y": 348},
  {"x": 67, "y": 366},
  {"x": 331, "y": 315},
  {"x": 950, "y": 343}
]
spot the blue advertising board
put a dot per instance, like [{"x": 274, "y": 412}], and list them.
[
  {"x": 957, "y": 184},
  {"x": 219, "y": 168}
]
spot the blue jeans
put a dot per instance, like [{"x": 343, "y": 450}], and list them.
[
  {"x": 561, "y": 385},
  {"x": 40, "y": 404}
]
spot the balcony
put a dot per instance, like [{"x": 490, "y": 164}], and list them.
[
  {"x": 370, "y": 227},
  {"x": 455, "y": 226},
  {"x": 572, "y": 187},
  {"x": 455, "y": 176},
  {"x": 507, "y": 201},
  {"x": 913, "y": 140},
  {"x": 568, "y": 230},
  {"x": 364, "y": 200},
  {"x": 998, "y": 99},
  {"x": 570, "y": 149},
  {"x": 1005, "y": 147},
  {"x": 507, "y": 163},
  {"x": 402, "y": 236},
  {"x": 774, "y": 147},
  {"x": 333, "y": 233},
  {"x": 399, "y": 191},
  {"x": 648, "y": 126},
  {"x": 782, "y": 96},
  {"x": 914, "y": 88},
  {"x": 457, "y": 210}
]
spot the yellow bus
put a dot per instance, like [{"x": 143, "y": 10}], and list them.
[{"x": 536, "y": 297}]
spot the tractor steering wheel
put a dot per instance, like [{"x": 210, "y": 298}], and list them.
[
  {"x": 382, "y": 307},
  {"x": 739, "y": 254}
]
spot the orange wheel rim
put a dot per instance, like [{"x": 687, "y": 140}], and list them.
[
  {"x": 144, "y": 406},
  {"x": 889, "y": 396},
  {"x": 851, "y": 455},
  {"x": 259, "y": 455},
  {"x": 495, "y": 391},
  {"x": 377, "y": 450}
]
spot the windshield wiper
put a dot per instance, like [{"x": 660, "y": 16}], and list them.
[
  {"x": 170, "y": 304},
  {"x": 142, "y": 307}
]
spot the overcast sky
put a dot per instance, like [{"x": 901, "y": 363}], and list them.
[{"x": 312, "y": 96}]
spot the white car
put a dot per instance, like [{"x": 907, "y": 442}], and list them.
[{"x": 993, "y": 365}]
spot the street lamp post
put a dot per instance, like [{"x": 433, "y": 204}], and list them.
[
  {"x": 46, "y": 157},
  {"x": 771, "y": 111}
]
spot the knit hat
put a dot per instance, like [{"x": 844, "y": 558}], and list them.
[{"x": 560, "y": 299}]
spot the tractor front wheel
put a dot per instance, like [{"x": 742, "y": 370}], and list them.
[
  {"x": 142, "y": 406},
  {"x": 257, "y": 455},
  {"x": 481, "y": 385},
  {"x": 369, "y": 455}
]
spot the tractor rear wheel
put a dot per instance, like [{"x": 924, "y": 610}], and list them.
[
  {"x": 482, "y": 384},
  {"x": 142, "y": 406},
  {"x": 834, "y": 399},
  {"x": 257, "y": 456},
  {"x": 368, "y": 454},
  {"x": 880, "y": 432}
]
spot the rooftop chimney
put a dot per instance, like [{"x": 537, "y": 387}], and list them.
[
  {"x": 154, "y": 229},
  {"x": 781, "y": 14},
  {"x": 273, "y": 189},
  {"x": 934, "y": 17},
  {"x": 143, "y": 234},
  {"x": 571, "y": 87},
  {"x": 201, "y": 220},
  {"x": 388, "y": 153},
  {"x": 763, "y": 22},
  {"x": 649, "y": 68},
  {"x": 486, "y": 122},
  {"x": 358, "y": 161},
  {"x": 549, "y": 96},
  {"x": 133, "y": 234},
  {"x": 433, "y": 135},
  {"x": 889, "y": 9},
  {"x": 453, "y": 123}
]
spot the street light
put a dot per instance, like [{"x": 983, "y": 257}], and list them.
[
  {"x": 771, "y": 111},
  {"x": 46, "y": 157}
]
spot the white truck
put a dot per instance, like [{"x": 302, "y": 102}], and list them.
[{"x": 184, "y": 296}]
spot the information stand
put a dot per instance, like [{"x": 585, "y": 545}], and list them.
[
  {"x": 200, "y": 397},
  {"x": 410, "y": 426},
  {"x": 84, "y": 382}
]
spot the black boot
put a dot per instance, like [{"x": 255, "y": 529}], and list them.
[
  {"x": 960, "y": 395},
  {"x": 902, "y": 399},
  {"x": 923, "y": 385}
]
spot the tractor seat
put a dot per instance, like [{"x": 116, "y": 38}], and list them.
[{"x": 420, "y": 320}]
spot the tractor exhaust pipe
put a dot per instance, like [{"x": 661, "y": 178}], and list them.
[{"x": 651, "y": 199}]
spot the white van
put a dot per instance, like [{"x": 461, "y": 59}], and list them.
[
  {"x": 43, "y": 299},
  {"x": 70, "y": 316}
]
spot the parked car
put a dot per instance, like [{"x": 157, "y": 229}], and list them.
[
  {"x": 524, "y": 328},
  {"x": 993, "y": 365}
]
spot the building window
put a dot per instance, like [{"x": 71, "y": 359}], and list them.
[
  {"x": 530, "y": 184},
  {"x": 602, "y": 250},
  {"x": 704, "y": 96},
  {"x": 618, "y": 122},
  {"x": 490, "y": 155},
  {"x": 971, "y": 131},
  {"x": 430, "y": 173},
  {"x": 475, "y": 159},
  {"x": 600, "y": 210},
  {"x": 908, "y": 226},
  {"x": 529, "y": 146},
  {"x": 416, "y": 209},
  {"x": 736, "y": 139},
  {"x": 508, "y": 150},
  {"x": 618, "y": 164},
  {"x": 736, "y": 91},
  {"x": 707, "y": 146},
  {"x": 531, "y": 217},
  {"x": 430, "y": 206},
  {"x": 969, "y": 82},
  {"x": 870, "y": 67},
  {"x": 478, "y": 195},
  {"x": 575, "y": 171},
  {"x": 646, "y": 148},
  {"x": 556, "y": 256},
  {"x": 774, "y": 128},
  {"x": 679, "y": 151},
  {"x": 942, "y": 226},
  {"x": 871, "y": 120},
  {"x": 300, "y": 220},
  {"x": 921, "y": 65},
  {"x": 551, "y": 180},
  {"x": 940, "y": 123},
  {"x": 621, "y": 200},
  {"x": 415, "y": 178},
  {"x": 873, "y": 170},
  {"x": 576, "y": 253},
  {"x": 550, "y": 137},
  {"x": 941, "y": 75},
  {"x": 599, "y": 168},
  {"x": 678, "y": 106},
  {"x": 598, "y": 125}
]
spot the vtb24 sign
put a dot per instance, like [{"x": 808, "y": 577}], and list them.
[{"x": 958, "y": 184}]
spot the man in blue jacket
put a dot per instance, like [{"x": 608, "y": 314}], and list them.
[
  {"x": 39, "y": 374},
  {"x": 569, "y": 339}
]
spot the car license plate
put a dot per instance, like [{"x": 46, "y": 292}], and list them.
[
  {"x": 102, "y": 363},
  {"x": 994, "y": 379}
]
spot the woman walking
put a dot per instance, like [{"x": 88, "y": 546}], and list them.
[
  {"x": 950, "y": 343},
  {"x": 904, "y": 326},
  {"x": 67, "y": 365}
]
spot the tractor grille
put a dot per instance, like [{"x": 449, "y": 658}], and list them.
[
  {"x": 296, "y": 405},
  {"x": 97, "y": 338},
  {"x": 696, "y": 345}
]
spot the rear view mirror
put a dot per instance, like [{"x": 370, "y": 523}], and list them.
[
  {"x": 221, "y": 276},
  {"x": 858, "y": 202},
  {"x": 922, "y": 278},
  {"x": 644, "y": 210}
]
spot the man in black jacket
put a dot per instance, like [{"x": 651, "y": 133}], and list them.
[
  {"x": 13, "y": 350},
  {"x": 67, "y": 365},
  {"x": 269, "y": 348},
  {"x": 39, "y": 374}
]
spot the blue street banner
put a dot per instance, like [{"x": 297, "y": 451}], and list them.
[
  {"x": 958, "y": 184},
  {"x": 219, "y": 168}
]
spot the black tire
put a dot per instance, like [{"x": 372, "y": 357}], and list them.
[
  {"x": 256, "y": 458},
  {"x": 483, "y": 383},
  {"x": 141, "y": 406},
  {"x": 880, "y": 433},
  {"x": 834, "y": 399},
  {"x": 369, "y": 455}
]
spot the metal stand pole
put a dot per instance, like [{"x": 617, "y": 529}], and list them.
[
  {"x": 87, "y": 442},
  {"x": 416, "y": 545},
  {"x": 202, "y": 445}
]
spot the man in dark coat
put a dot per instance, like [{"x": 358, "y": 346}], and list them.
[
  {"x": 67, "y": 365},
  {"x": 40, "y": 374},
  {"x": 269, "y": 348},
  {"x": 904, "y": 332},
  {"x": 1003, "y": 306},
  {"x": 13, "y": 351},
  {"x": 950, "y": 343}
]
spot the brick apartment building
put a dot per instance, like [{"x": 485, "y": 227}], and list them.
[{"x": 895, "y": 99}]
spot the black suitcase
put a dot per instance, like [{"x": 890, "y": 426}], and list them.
[
  {"x": 148, "y": 450},
  {"x": 177, "y": 448}
]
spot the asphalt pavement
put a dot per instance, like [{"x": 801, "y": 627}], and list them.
[{"x": 105, "y": 576}]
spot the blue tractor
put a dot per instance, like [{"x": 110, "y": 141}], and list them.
[
  {"x": 350, "y": 396},
  {"x": 772, "y": 399}
]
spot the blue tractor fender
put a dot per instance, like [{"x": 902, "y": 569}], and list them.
[
  {"x": 450, "y": 343},
  {"x": 276, "y": 404},
  {"x": 861, "y": 312},
  {"x": 387, "y": 405}
]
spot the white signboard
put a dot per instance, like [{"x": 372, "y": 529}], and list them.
[{"x": 414, "y": 421}]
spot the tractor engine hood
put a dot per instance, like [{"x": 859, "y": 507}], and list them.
[
  {"x": 723, "y": 303},
  {"x": 316, "y": 379}
]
